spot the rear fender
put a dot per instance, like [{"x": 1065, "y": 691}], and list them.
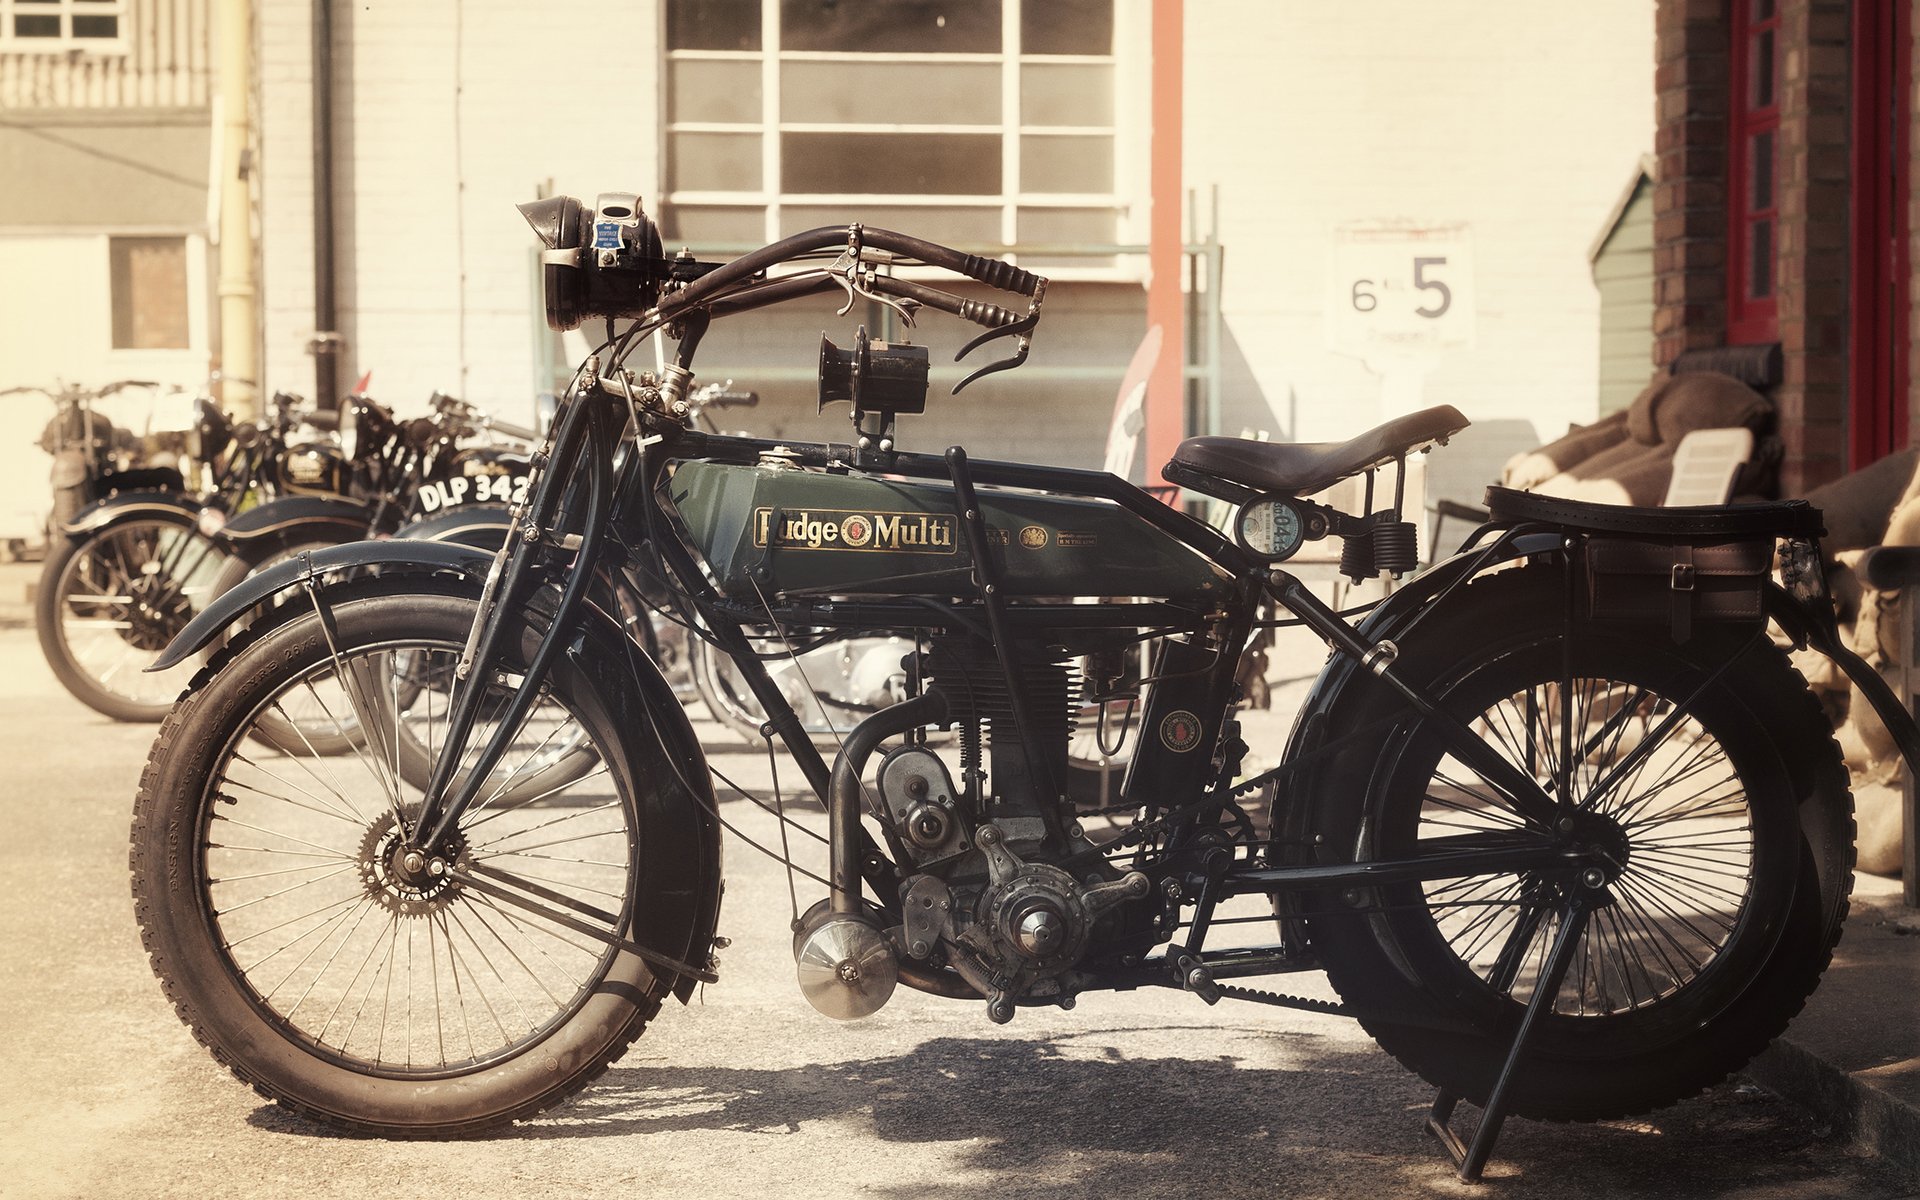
[
  {"x": 131, "y": 505},
  {"x": 1314, "y": 726},
  {"x": 1815, "y": 628},
  {"x": 482, "y": 526}
]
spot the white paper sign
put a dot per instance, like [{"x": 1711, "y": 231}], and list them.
[{"x": 1399, "y": 291}]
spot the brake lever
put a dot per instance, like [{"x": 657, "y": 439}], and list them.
[{"x": 1018, "y": 330}]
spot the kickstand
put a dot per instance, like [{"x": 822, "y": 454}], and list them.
[{"x": 1471, "y": 1158}]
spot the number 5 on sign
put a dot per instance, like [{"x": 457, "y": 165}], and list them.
[{"x": 1398, "y": 289}]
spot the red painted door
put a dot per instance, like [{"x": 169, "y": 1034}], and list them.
[{"x": 1877, "y": 376}]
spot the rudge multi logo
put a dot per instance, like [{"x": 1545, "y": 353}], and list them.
[{"x": 853, "y": 529}]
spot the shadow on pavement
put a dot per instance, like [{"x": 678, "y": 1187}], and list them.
[{"x": 1049, "y": 1116}]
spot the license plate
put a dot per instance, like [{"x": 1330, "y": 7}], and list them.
[{"x": 442, "y": 494}]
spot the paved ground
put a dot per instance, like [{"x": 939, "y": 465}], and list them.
[{"x": 748, "y": 1092}]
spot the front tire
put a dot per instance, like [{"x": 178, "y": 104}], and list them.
[
  {"x": 1728, "y": 836},
  {"x": 292, "y": 937}
]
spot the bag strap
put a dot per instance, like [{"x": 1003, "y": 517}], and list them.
[{"x": 1681, "y": 584}]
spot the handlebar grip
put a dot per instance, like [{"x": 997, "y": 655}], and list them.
[{"x": 999, "y": 273}]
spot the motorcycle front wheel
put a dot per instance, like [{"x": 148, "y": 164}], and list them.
[
  {"x": 295, "y": 938},
  {"x": 110, "y": 601},
  {"x": 1705, "y": 777}
]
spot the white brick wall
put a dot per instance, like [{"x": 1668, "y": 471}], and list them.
[{"x": 1514, "y": 116}]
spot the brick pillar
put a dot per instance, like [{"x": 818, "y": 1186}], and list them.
[
  {"x": 1813, "y": 262},
  {"x": 1689, "y": 195}
]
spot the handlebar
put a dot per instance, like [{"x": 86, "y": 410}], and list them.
[{"x": 991, "y": 271}]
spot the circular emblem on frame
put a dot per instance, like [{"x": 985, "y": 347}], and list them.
[
  {"x": 1033, "y": 537},
  {"x": 1180, "y": 731},
  {"x": 856, "y": 530}
]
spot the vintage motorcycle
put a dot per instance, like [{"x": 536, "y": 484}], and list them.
[
  {"x": 1563, "y": 826},
  {"x": 144, "y": 548}
]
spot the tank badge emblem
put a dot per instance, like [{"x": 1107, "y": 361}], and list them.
[
  {"x": 1033, "y": 537},
  {"x": 1180, "y": 731},
  {"x": 857, "y": 530},
  {"x": 1069, "y": 538}
]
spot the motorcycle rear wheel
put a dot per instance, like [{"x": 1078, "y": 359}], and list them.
[
  {"x": 281, "y": 918},
  {"x": 110, "y": 601},
  {"x": 1732, "y": 837}
]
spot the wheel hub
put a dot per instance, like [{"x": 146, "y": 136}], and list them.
[
  {"x": 403, "y": 880},
  {"x": 1603, "y": 840},
  {"x": 156, "y": 613}
]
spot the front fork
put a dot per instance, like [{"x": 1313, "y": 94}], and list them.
[{"x": 582, "y": 445}]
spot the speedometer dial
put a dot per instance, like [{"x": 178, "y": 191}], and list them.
[{"x": 1272, "y": 528}]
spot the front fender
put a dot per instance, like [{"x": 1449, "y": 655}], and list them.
[
  {"x": 123, "y": 506},
  {"x": 318, "y": 567},
  {"x": 298, "y": 516}
]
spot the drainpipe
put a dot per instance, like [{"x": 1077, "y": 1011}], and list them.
[
  {"x": 326, "y": 345},
  {"x": 1166, "y": 416},
  {"x": 239, "y": 316}
]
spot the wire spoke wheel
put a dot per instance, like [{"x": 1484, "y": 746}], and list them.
[
  {"x": 335, "y": 965},
  {"x": 1702, "y": 799},
  {"x": 1658, "y": 797},
  {"x": 390, "y": 968},
  {"x": 110, "y": 602}
]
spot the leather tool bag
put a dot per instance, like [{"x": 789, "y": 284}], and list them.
[{"x": 1677, "y": 583}]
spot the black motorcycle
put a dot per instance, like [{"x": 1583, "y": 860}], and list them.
[
  {"x": 1560, "y": 821},
  {"x": 144, "y": 549}
]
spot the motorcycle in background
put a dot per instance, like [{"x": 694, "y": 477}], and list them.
[{"x": 143, "y": 552}]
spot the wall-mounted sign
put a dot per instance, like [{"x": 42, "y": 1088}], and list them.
[{"x": 1399, "y": 290}]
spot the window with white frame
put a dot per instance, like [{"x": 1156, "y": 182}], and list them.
[
  {"x": 29, "y": 25},
  {"x": 990, "y": 124}
]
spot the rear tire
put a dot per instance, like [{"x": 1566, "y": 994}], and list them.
[{"x": 1731, "y": 837}]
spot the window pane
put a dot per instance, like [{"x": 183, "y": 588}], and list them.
[
  {"x": 714, "y": 162},
  {"x": 1066, "y": 94},
  {"x": 891, "y": 26},
  {"x": 1760, "y": 166},
  {"x": 711, "y": 225},
  {"x": 1066, "y": 227},
  {"x": 36, "y": 26},
  {"x": 1066, "y": 27},
  {"x": 947, "y": 224},
  {"x": 149, "y": 284},
  {"x": 96, "y": 27},
  {"x": 1066, "y": 164},
  {"x": 1760, "y": 277},
  {"x": 1763, "y": 69},
  {"x": 959, "y": 93},
  {"x": 713, "y": 24},
  {"x": 960, "y": 164},
  {"x": 705, "y": 90}
]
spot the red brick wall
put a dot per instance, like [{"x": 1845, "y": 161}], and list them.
[
  {"x": 1813, "y": 257},
  {"x": 1689, "y": 196}
]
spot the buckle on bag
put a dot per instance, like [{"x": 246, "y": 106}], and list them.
[{"x": 1682, "y": 580}]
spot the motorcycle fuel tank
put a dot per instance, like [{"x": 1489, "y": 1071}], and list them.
[{"x": 812, "y": 532}]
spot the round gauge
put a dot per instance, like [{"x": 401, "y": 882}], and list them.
[{"x": 1272, "y": 527}]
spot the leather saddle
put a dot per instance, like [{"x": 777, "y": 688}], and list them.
[{"x": 1235, "y": 469}]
